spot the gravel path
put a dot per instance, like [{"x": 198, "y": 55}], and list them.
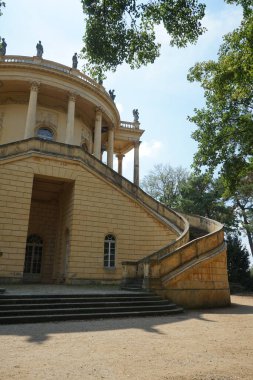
[{"x": 198, "y": 345}]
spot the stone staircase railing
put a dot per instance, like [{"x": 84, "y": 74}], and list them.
[
  {"x": 177, "y": 259},
  {"x": 41, "y": 147}
]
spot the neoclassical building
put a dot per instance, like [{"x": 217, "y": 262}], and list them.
[{"x": 67, "y": 217}]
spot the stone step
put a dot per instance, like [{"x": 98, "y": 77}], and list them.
[
  {"x": 86, "y": 310},
  {"x": 78, "y": 295},
  {"x": 42, "y": 308},
  {"x": 35, "y": 305},
  {"x": 53, "y": 300},
  {"x": 84, "y": 316}
]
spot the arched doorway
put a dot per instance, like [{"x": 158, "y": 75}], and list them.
[{"x": 33, "y": 258}]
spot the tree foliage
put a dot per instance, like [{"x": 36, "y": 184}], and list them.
[
  {"x": 242, "y": 201},
  {"x": 238, "y": 262},
  {"x": 225, "y": 126},
  {"x": 246, "y": 5},
  {"x": 203, "y": 195},
  {"x": 165, "y": 183},
  {"x": 190, "y": 193},
  {"x": 120, "y": 31}
]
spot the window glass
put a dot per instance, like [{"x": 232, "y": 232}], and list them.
[
  {"x": 45, "y": 133},
  {"x": 109, "y": 251}
]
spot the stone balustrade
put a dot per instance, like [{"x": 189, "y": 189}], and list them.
[
  {"x": 161, "y": 263},
  {"x": 16, "y": 59},
  {"x": 130, "y": 125}
]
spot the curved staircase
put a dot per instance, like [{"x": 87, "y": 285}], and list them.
[{"x": 192, "y": 274}]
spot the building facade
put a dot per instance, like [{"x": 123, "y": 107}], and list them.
[{"x": 67, "y": 217}]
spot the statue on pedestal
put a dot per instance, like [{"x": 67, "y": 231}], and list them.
[
  {"x": 74, "y": 61},
  {"x": 3, "y": 46},
  {"x": 112, "y": 95},
  {"x": 136, "y": 115},
  {"x": 40, "y": 50}
]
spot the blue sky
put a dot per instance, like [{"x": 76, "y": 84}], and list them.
[{"x": 160, "y": 91}]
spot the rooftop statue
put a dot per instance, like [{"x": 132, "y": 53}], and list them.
[
  {"x": 112, "y": 95},
  {"x": 40, "y": 50},
  {"x": 74, "y": 61},
  {"x": 3, "y": 47},
  {"x": 136, "y": 115}
]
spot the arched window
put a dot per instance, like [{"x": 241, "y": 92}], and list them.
[
  {"x": 109, "y": 251},
  {"x": 33, "y": 256},
  {"x": 45, "y": 133}
]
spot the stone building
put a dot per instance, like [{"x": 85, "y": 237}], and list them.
[{"x": 66, "y": 217}]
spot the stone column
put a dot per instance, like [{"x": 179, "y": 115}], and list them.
[
  {"x": 110, "y": 147},
  {"x": 31, "y": 112},
  {"x": 69, "y": 139},
  {"x": 136, "y": 163},
  {"x": 97, "y": 134},
  {"x": 120, "y": 157}
]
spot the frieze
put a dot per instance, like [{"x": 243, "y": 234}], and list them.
[{"x": 11, "y": 100}]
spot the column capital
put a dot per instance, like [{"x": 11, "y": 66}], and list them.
[
  {"x": 99, "y": 110},
  {"x": 120, "y": 156},
  {"x": 35, "y": 86},
  {"x": 137, "y": 143},
  {"x": 72, "y": 96}
]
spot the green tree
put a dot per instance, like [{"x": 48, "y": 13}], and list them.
[
  {"x": 242, "y": 200},
  {"x": 203, "y": 195},
  {"x": 238, "y": 262},
  {"x": 190, "y": 193},
  {"x": 164, "y": 183},
  {"x": 225, "y": 126},
  {"x": 120, "y": 31}
]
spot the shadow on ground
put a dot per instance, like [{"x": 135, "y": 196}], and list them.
[{"x": 41, "y": 332}]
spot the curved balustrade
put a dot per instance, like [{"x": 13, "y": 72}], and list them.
[
  {"x": 194, "y": 249},
  {"x": 53, "y": 66},
  {"x": 129, "y": 125}
]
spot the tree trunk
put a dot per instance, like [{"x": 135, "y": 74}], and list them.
[{"x": 246, "y": 222}]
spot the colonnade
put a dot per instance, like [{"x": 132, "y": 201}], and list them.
[{"x": 69, "y": 139}]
